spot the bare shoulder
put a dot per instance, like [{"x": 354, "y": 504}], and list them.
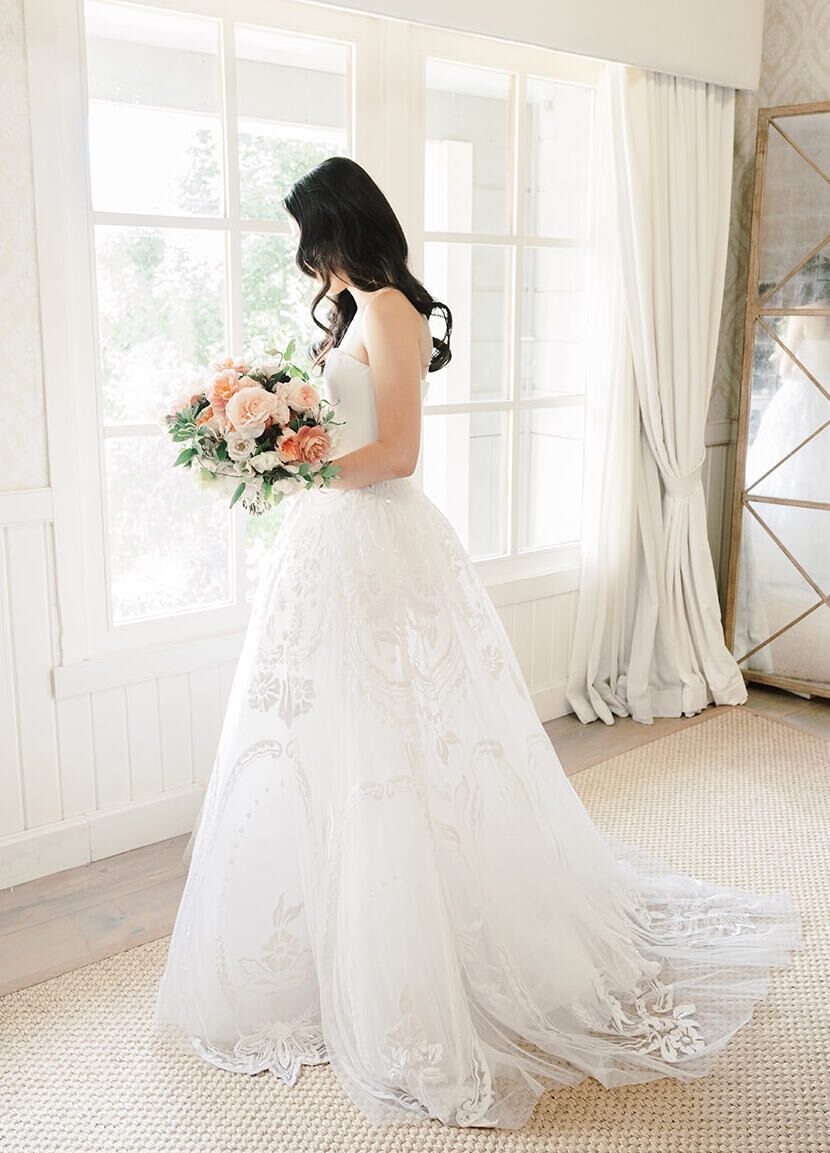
[{"x": 392, "y": 309}]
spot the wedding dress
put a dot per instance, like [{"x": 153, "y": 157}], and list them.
[{"x": 391, "y": 871}]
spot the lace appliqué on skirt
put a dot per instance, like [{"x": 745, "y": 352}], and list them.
[
  {"x": 414, "y": 1062},
  {"x": 647, "y": 1020},
  {"x": 282, "y": 1047}
]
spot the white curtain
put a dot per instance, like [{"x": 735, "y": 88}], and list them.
[{"x": 648, "y": 638}]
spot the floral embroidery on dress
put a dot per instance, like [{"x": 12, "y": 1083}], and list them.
[
  {"x": 281, "y": 1047},
  {"x": 647, "y": 1022},
  {"x": 281, "y": 963},
  {"x": 714, "y": 913},
  {"x": 443, "y": 742},
  {"x": 415, "y": 1065},
  {"x": 493, "y": 659},
  {"x": 414, "y": 1060},
  {"x": 272, "y": 684}
]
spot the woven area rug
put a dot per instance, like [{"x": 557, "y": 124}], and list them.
[{"x": 736, "y": 798}]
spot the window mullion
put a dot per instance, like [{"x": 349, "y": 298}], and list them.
[
  {"x": 518, "y": 180},
  {"x": 233, "y": 299}
]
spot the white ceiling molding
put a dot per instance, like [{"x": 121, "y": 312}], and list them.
[{"x": 705, "y": 40}]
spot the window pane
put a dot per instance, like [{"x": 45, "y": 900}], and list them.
[
  {"x": 474, "y": 281},
  {"x": 465, "y": 475},
  {"x": 168, "y": 541},
  {"x": 553, "y": 321},
  {"x": 275, "y": 293},
  {"x": 467, "y": 148},
  {"x": 559, "y": 122},
  {"x": 291, "y": 93},
  {"x": 161, "y": 296},
  {"x": 550, "y": 476},
  {"x": 154, "y": 101}
]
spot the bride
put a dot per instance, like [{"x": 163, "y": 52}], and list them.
[{"x": 391, "y": 871}]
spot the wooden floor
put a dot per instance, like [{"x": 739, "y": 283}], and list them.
[{"x": 57, "y": 923}]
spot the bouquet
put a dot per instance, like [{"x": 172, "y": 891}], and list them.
[{"x": 256, "y": 432}]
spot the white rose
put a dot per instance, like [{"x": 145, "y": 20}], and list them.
[
  {"x": 267, "y": 368},
  {"x": 286, "y": 485},
  {"x": 241, "y": 445},
  {"x": 265, "y": 460}
]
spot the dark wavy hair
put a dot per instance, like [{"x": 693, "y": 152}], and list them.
[{"x": 348, "y": 226}]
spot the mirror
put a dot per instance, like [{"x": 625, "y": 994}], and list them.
[{"x": 778, "y": 617}]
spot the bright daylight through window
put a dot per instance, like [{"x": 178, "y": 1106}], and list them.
[{"x": 196, "y": 131}]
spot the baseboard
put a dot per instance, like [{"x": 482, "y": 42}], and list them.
[
  {"x": 551, "y": 702},
  {"x": 52, "y": 848}
]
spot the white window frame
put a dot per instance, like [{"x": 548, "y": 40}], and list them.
[
  {"x": 520, "y": 62},
  {"x": 386, "y": 72}
]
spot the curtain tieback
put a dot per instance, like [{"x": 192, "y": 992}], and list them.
[{"x": 682, "y": 486}]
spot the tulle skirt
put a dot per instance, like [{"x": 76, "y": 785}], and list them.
[{"x": 392, "y": 873}]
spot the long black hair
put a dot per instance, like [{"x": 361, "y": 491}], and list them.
[{"x": 347, "y": 225}]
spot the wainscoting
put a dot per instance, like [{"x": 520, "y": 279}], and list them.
[{"x": 96, "y": 762}]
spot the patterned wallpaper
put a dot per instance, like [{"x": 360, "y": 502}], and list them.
[
  {"x": 25, "y": 462},
  {"x": 795, "y": 69}
]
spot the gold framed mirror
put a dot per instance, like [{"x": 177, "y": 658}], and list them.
[{"x": 778, "y": 593}]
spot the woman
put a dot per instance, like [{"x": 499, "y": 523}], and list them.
[{"x": 392, "y": 872}]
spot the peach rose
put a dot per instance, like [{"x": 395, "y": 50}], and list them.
[
  {"x": 217, "y": 423},
  {"x": 279, "y": 408},
  {"x": 204, "y": 415},
  {"x": 314, "y": 443},
  {"x": 288, "y": 447},
  {"x": 223, "y": 388},
  {"x": 229, "y": 362},
  {"x": 301, "y": 395},
  {"x": 251, "y": 407},
  {"x": 184, "y": 399}
]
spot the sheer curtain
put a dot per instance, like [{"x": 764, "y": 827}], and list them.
[{"x": 648, "y": 639}]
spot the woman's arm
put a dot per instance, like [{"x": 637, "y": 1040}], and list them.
[{"x": 392, "y": 336}]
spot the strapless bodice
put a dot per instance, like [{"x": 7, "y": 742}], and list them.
[{"x": 347, "y": 384}]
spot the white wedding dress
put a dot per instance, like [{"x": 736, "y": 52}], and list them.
[{"x": 391, "y": 871}]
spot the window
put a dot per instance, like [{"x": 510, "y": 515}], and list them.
[
  {"x": 193, "y": 140},
  {"x": 165, "y": 247},
  {"x": 506, "y": 178}
]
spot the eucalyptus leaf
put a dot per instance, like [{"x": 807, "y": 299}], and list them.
[{"x": 184, "y": 456}]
